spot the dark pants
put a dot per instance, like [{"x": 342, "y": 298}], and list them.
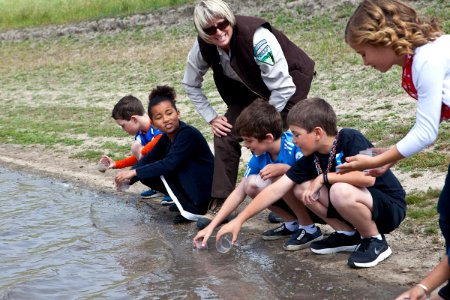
[{"x": 444, "y": 224}]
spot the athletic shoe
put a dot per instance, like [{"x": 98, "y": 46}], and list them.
[
  {"x": 369, "y": 253},
  {"x": 166, "y": 201},
  {"x": 150, "y": 194},
  {"x": 179, "y": 219},
  {"x": 173, "y": 207},
  {"x": 277, "y": 233},
  {"x": 301, "y": 239},
  {"x": 214, "y": 206},
  {"x": 336, "y": 242},
  {"x": 274, "y": 218}
]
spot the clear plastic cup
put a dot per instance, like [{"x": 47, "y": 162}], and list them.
[
  {"x": 199, "y": 247},
  {"x": 224, "y": 244},
  {"x": 261, "y": 183},
  {"x": 102, "y": 166},
  {"x": 368, "y": 152},
  {"x": 124, "y": 185}
]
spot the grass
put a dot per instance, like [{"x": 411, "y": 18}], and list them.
[
  {"x": 23, "y": 13},
  {"x": 59, "y": 92}
]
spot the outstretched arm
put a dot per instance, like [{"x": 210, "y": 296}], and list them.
[
  {"x": 230, "y": 205},
  {"x": 264, "y": 199},
  {"x": 361, "y": 162}
]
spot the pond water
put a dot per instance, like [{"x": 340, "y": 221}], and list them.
[{"x": 58, "y": 241}]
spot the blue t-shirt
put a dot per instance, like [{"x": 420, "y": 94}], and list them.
[
  {"x": 144, "y": 139},
  {"x": 289, "y": 154}
]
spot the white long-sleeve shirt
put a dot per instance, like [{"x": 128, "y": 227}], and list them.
[
  {"x": 275, "y": 76},
  {"x": 431, "y": 77}
]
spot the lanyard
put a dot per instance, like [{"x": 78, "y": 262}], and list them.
[{"x": 330, "y": 157}]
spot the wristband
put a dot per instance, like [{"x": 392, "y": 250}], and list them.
[
  {"x": 424, "y": 287},
  {"x": 325, "y": 179}
]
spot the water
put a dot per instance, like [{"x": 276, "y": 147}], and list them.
[{"x": 58, "y": 241}]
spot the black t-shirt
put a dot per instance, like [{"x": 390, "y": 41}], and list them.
[{"x": 349, "y": 144}]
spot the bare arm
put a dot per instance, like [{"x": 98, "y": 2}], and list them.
[
  {"x": 361, "y": 162},
  {"x": 230, "y": 205},
  {"x": 438, "y": 276},
  {"x": 264, "y": 199}
]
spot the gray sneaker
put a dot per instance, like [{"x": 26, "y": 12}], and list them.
[{"x": 301, "y": 239}]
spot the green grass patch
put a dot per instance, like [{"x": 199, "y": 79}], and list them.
[{"x": 24, "y": 13}]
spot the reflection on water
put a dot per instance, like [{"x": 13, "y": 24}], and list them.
[{"x": 61, "y": 242}]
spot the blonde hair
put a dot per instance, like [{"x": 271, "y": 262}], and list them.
[
  {"x": 206, "y": 11},
  {"x": 390, "y": 23}
]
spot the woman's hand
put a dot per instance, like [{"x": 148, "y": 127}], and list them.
[{"x": 220, "y": 126}]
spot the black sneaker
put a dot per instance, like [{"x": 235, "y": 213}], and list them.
[
  {"x": 369, "y": 253},
  {"x": 173, "y": 207},
  {"x": 274, "y": 218},
  {"x": 336, "y": 242},
  {"x": 277, "y": 233},
  {"x": 179, "y": 219},
  {"x": 214, "y": 206},
  {"x": 301, "y": 239}
]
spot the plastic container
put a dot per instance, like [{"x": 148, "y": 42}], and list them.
[
  {"x": 224, "y": 244},
  {"x": 124, "y": 185},
  {"x": 368, "y": 152},
  {"x": 102, "y": 166},
  {"x": 261, "y": 183},
  {"x": 199, "y": 247}
]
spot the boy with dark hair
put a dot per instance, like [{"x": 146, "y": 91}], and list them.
[
  {"x": 130, "y": 115},
  {"x": 360, "y": 208},
  {"x": 260, "y": 126}
]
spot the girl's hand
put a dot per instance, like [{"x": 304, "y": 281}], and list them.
[
  {"x": 125, "y": 175},
  {"x": 358, "y": 162},
  {"x": 233, "y": 226},
  {"x": 415, "y": 293},
  {"x": 220, "y": 126}
]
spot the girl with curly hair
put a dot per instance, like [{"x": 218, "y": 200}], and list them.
[{"x": 387, "y": 33}]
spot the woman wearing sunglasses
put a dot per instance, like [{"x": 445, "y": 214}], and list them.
[{"x": 249, "y": 59}]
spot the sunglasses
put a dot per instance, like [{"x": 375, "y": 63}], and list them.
[{"x": 213, "y": 29}]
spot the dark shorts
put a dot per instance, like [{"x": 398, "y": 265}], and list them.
[
  {"x": 284, "y": 206},
  {"x": 387, "y": 213}
]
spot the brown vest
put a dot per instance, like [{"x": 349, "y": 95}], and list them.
[{"x": 301, "y": 67}]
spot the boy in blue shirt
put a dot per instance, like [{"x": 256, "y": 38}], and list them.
[
  {"x": 260, "y": 127},
  {"x": 360, "y": 208}
]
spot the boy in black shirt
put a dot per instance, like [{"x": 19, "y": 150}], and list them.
[{"x": 360, "y": 208}]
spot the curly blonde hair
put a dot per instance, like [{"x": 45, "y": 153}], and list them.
[{"x": 390, "y": 23}]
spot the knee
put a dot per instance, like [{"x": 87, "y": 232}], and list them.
[
  {"x": 299, "y": 189},
  {"x": 341, "y": 195},
  {"x": 250, "y": 187}
]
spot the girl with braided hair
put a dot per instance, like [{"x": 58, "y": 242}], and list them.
[{"x": 387, "y": 33}]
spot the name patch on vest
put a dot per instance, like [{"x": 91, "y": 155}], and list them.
[{"x": 263, "y": 53}]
